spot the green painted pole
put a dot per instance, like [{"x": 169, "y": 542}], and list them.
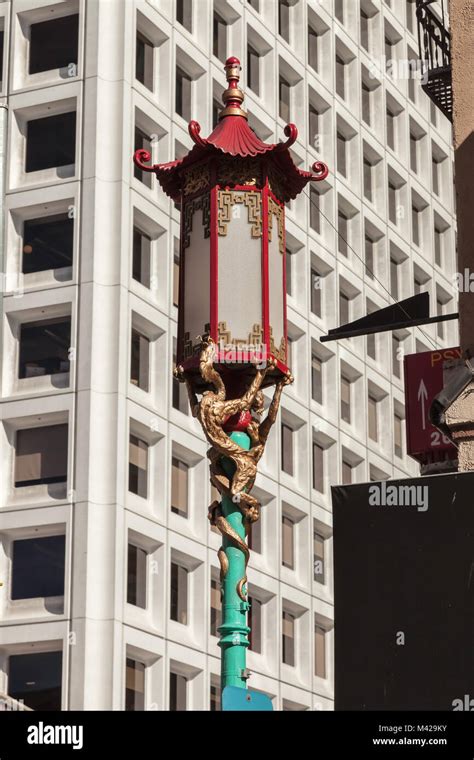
[{"x": 234, "y": 629}]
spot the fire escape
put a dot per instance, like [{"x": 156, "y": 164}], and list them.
[{"x": 434, "y": 43}]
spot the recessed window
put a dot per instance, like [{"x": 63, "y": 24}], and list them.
[
  {"x": 364, "y": 29},
  {"x": 344, "y": 308},
  {"x": 253, "y": 69},
  {"x": 288, "y": 271},
  {"x": 284, "y": 90},
  {"x": 288, "y": 638},
  {"x": 179, "y": 593},
  {"x": 392, "y": 202},
  {"x": 397, "y": 435},
  {"x": 389, "y": 48},
  {"x": 413, "y": 152},
  {"x": 315, "y": 210},
  {"x": 368, "y": 179},
  {"x": 44, "y": 347},
  {"x": 136, "y": 576},
  {"x": 316, "y": 379},
  {"x": 183, "y": 94},
  {"x": 347, "y": 468},
  {"x": 411, "y": 16},
  {"x": 219, "y": 40},
  {"x": 313, "y": 48},
  {"x": 134, "y": 685},
  {"x": 286, "y": 449},
  {"x": 255, "y": 4},
  {"x": 216, "y": 109},
  {"x": 54, "y": 44},
  {"x": 141, "y": 265},
  {"x": 184, "y": 13},
  {"x": 319, "y": 651},
  {"x": 178, "y": 691},
  {"x": 369, "y": 256},
  {"x": 255, "y": 624},
  {"x": 342, "y": 232},
  {"x": 341, "y": 154},
  {"x": 287, "y": 542},
  {"x": 140, "y": 360},
  {"x": 394, "y": 267},
  {"x": 340, "y": 77},
  {"x": 38, "y": 567},
  {"x": 284, "y": 19},
  {"x": 438, "y": 245},
  {"x": 415, "y": 224},
  {"x": 373, "y": 418},
  {"x": 179, "y": 487},
  {"x": 339, "y": 10},
  {"x": 50, "y": 142},
  {"x": 35, "y": 679},
  {"x": 439, "y": 312},
  {"x": 366, "y": 104},
  {"x": 345, "y": 399},
  {"x": 215, "y": 695},
  {"x": 179, "y": 395},
  {"x": 47, "y": 243},
  {"x": 396, "y": 346},
  {"x": 315, "y": 292},
  {"x": 435, "y": 172},
  {"x": 391, "y": 129},
  {"x": 313, "y": 127},
  {"x": 142, "y": 142},
  {"x": 176, "y": 273},
  {"x": 144, "y": 61},
  {"x": 254, "y": 537},
  {"x": 216, "y": 607},
  {"x": 318, "y": 557},
  {"x": 41, "y": 456},
  {"x": 138, "y": 467},
  {"x": 318, "y": 467}
]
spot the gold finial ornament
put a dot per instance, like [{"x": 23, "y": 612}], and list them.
[{"x": 233, "y": 96}]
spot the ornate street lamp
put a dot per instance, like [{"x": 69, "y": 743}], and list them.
[{"x": 232, "y": 327}]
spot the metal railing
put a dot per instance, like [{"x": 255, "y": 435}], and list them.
[{"x": 434, "y": 43}]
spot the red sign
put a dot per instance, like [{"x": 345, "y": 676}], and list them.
[{"x": 423, "y": 381}]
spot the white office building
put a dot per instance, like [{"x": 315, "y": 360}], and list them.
[{"x": 109, "y": 595}]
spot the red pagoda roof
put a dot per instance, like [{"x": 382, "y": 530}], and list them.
[{"x": 233, "y": 137}]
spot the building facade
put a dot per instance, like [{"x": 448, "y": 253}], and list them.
[{"x": 110, "y": 592}]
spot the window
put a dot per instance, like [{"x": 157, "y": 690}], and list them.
[
  {"x": 183, "y": 94},
  {"x": 388, "y": 55},
  {"x": 411, "y": 79},
  {"x": 369, "y": 256},
  {"x": 179, "y": 487},
  {"x": 417, "y": 285},
  {"x": 373, "y": 419},
  {"x": 284, "y": 99},
  {"x": 51, "y": 142},
  {"x": 255, "y": 4},
  {"x": 141, "y": 264},
  {"x": 215, "y": 695},
  {"x": 54, "y": 44},
  {"x": 38, "y": 567},
  {"x": 341, "y": 154},
  {"x": 44, "y": 347},
  {"x": 345, "y": 399},
  {"x": 342, "y": 232},
  {"x": 397, "y": 435},
  {"x": 216, "y": 607},
  {"x": 179, "y": 395},
  {"x": 216, "y": 109},
  {"x": 413, "y": 152},
  {"x": 319, "y": 651},
  {"x": 178, "y": 691},
  {"x": 438, "y": 239},
  {"x": 368, "y": 181},
  {"x": 318, "y": 557},
  {"x": 415, "y": 225},
  {"x": 176, "y": 274},
  {"x": 315, "y": 292},
  {"x": 440, "y": 312},
  {"x": 364, "y": 29},
  {"x": 372, "y": 343},
  {"x": 253, "y": 69},
  {"x": 288, "y": 270},
  {"x": 391, "y": 129},
  {"x": 287, "y": 542},
  {"x": 41, "y": 455},
  {"x": 318, "y": 467},
  {"x": 394, "y": 279},
  {"x": 36, "y": 679},
  {"x": 179, "y": 593},
  {"x": 219, "y": 41},
  {"x": 339, "y": 10},
  {"x": 314, "y": 210},
  {"x": 410, "y": 15},
  {"x": 142, "y": 142},
  {"x": 140, "y": 361},
  {"x": 254, "y": 536},
  {"x": 286, "y": 449},
  {"x": 313, "y": 48},
  {"x": 396, "y": 346},
  {"x": 433, "y": 113},
  {"x": 138, "y": 467},
  {"x": 288, "y": 638},
  {"x": 313, "y": 127},
  {"x": 316, "y": 379},
  {"x": 340, "y": 77},
  {"x": 366, "y": 104},
  {"x": 184, "y": 14},
  {"x": 284, "y": 20},
  {"x": 435, "y": 174},
  {"x": 255, "y": 624},
  {"x": 47, "y": 243},
  {"x": 134, "y": 685},
  {"x": 136, "y": 576},
  {"x": 344, "y": 311},
  {"x": 346, "y": 473},
  {"x": 392, "y": 202},
  {"x": 144, "y": 61}
]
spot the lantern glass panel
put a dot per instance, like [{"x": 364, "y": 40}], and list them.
[
  {"x": 196, "y": 277},
  {"x": 275, "y": 278},
  {"x": 240, "y": 267}
]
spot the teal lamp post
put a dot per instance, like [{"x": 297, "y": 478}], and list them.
[{"x": 232, "y": 331}]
